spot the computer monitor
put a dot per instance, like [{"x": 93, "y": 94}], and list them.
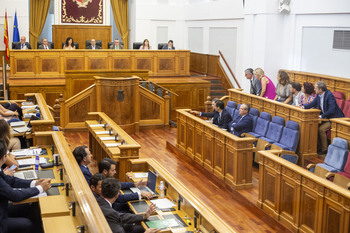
[{"x": 151, "y": 180}]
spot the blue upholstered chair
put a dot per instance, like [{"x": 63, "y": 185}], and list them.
[
  {"x": 290, "y": 137},
  {"x": 274, "y": 131},
  {"x": 262, "y": 124},
  {"x": 336, "y": 157},
  {"x": 293, "y": 158},
  {"x": 254, "y": 113},
  {"x": 236, "y": 113},
  {"x": 231, "y": 107}
]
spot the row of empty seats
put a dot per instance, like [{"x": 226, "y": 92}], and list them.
[
  {"x": 336, "y": 166},
  {"x": 271, "y": 134}
]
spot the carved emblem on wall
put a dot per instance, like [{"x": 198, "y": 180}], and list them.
[
  {"x": 82, "y": 11},
  {"x": 120, "y": 95}
]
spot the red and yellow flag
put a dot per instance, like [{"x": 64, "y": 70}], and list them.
[{"x": 6, "y": 38}]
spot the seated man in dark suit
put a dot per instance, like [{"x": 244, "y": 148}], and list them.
[
  {"x": 93, "y": 45},
  {"x": 23, "y": 45},
  {"x": 108, "y": 168},
  {"x": 116, "y": 45},
  {"x": 44, "y": 44},
  {"x": 329, "y": 109},
  {"x": 96, "y": 184},
  {"x": 243, "y": 123},
  {"x": 221, "y": 116},
  {"x": 28, "y": 188},
  {"x": 118, "y": 222},
  {"x": 169, "y": 46},
  {"x": 83, "y": 157}
]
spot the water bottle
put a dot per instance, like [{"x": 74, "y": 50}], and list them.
[
  {"x": 36, "y": 162},
  {"x": 161, "y": 190}
]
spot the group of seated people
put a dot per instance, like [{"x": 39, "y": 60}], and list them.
[
  {"x": 70, "y": 45},
  {"x": 306, "y": 97},
  {"x": 106, "y": 189}
]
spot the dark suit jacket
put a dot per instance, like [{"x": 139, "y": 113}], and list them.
[
  {"x": 113, "y": 46},
  {"x": 330, "y": 106},
  {"x": 96, "y": 47},
  {"x": 42, "y": 46},
  {"x": 86, "y": 172},
  {"x": 239, "y": 126},
  {"x": 167, "y": 48},
  {"x": 19, "y": 46},
  {"x": 117, "y": 220},
  {"x": 124, "y": 198},
  {"x": 222, "y": 121},
  {"x": 255, "y": 86},
  {"x": 7, "y": 193}
]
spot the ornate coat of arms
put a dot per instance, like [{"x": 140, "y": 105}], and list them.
[{"x": 82, "y": 11}]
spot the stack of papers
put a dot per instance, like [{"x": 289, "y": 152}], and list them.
[
  {"x": 163, "y": 203},
  {"x": 107, "y": 138},
  {"x": 102, "y": 132},
  {"x": 21, "y": 129},
  {"x": 113, "y": 144},
  {"x": 29, "y": 106},
  {"x": 141, "y": 175},
  {"x": 17, "y": 123},
  {"x": 97, "y": 125},
  {"x": 26, "y": 152},
  {"x": 29, "y": 115},
  {"x": 28, "y": 162}
]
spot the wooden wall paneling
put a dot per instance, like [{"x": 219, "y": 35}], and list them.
[
  {"x": 122, "y": 60},
  {"x": 341, "y": 129},
  {"x": 213, "y": 64},
  {"x": 219, "y": 155},
  {"x": 208, "y": 148},
  {"x": 24, "y": 65},
  {"x": 198, "y": 143},
  {"x": 97, "y": 60},
  {"x": 190, "y": 138},
  {"x": 309, "y": 201},
  {"x": 49, "y": 63},
  {"x": 333, "y": 214},
  {"x": 199, "y": 63},
  {"x": 80, "y": 34},
  {"x": 74, "y": 60},
  {"x": 227, "y": 156},
  {"x": 167, "y": 63}
]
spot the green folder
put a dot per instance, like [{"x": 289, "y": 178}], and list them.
[{"x": 163, "y": 223}]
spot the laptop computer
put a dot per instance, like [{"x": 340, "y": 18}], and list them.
[
  {"x": 151, "y": 184},
  {"x": 27, "y": 175}
]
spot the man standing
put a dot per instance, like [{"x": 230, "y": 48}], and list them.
[
  {"x": 119, "y": 222},
  {"x": 221, "y": 117},
  {"x": 295, "y": 89},
  {"x": 44, "y": 44},
  {"x": 255, "y": 84},
  {"x": 242, "y": 123},
  {"x": 93, "y": 45},
  {"x": 329, "y": 109},
  {"x": 83, "y": 157},
  {"x": 169, "y": 46},
  {"x": 28, "y": 188},
  {"x": 23, "y": 45},
  {"x": 116, "y": 45}
]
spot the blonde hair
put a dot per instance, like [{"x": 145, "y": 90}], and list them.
[{"x": 260, "y": 72}]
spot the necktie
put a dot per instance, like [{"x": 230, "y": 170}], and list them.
[{"x": 22, "y": 46}]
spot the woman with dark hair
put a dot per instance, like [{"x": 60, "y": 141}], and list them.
[
  {"x": 145, "y": 45},
  {"x": 309, "y": 93},
  {"x": 283, "y": 93},
  {"x": 69, "y": 43}
]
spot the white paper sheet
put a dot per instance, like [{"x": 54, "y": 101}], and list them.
[
  {"x": 163, "y": 203},
  {"x": 102, "y": 132},
  {"x": 112, "y": 144},
  {"x": 97, "y": 125},
  {"x": 107, "y": 138}
]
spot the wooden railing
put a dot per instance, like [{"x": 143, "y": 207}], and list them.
[
  {"x": 341, "y": 129},
  {"x": 88, "y": 215},
  {"x": 225, "y": 155},
  {"x": 299, "y": 199},
  {"x": 210, "y": 65},
  {"x": 191, "y": 205},
  {"x": 121, "y": 153},
  {"x": 333, "y": 83},
  {"x": 308, "y": 119}
]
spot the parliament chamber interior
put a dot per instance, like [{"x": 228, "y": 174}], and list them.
[{"x": 174, "y": 116}]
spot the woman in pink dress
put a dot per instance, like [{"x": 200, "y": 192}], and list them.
[{"x": 267, "y": 86}]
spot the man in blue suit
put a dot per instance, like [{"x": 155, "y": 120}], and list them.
[
  {"x": 243, "y": 123},
  {"x": 329, "y": 109},
  {"x": 108, "y": 168},
  {"x": 83, "y": 157},
  {"x": 24, "y": 189}
]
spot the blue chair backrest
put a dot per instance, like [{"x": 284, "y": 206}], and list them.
[
  {"x": 337, "y": 153},
  {"x": 290, "y": 158},
  {"x": 275, "y": 128},
  {"x": 230, "y": 107},
  {"x": 262, "y": 124},
  {"x": 254, "y": 113},
  {"x": 236, "y": 114},
  {"x": 290, "y": 135}
]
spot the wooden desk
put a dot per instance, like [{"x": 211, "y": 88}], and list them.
[
  {"x": 190, "y": 204},
  {"x": 225, "y": 155},
  {"x": 87, "y": 212},
  {"x": 299, "y": 199},
  {"x": 98, "y": 147},
  {"x": 308, "y": 119},
  {"x": 52, "y": 64},
  {"x": 341, "y": 129}
]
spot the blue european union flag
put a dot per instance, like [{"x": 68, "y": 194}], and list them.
[{"x": 15, "y": 30}]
